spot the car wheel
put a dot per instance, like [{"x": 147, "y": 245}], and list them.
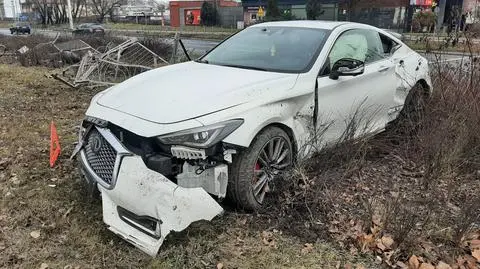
[
  {"x": 413, "y": 109},
  {"x": 255, "y": 170}
]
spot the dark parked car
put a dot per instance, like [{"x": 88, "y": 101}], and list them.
[
  {"x": 89, "y": 29},
  {"x": 21, "y": 28}
]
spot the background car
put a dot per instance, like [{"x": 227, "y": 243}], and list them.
[
  {"x": 89, "y": 29},
  {"x": 21, "y": 28}
]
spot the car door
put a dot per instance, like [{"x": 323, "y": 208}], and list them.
[{"x": 353, "y": 106}]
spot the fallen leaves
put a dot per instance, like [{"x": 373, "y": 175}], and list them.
[
  {"x": 426, "y": 266},
  {"x": 442, "y": 265},
  {"x": 475, "y": 243},
  {"x": 413, "y": 262},
  {"x": 307, "y": 248},
  {"x": 35, "y": 234},
  {"x": 268, "y": 239},
  {"x": 366, "y": 241},
  {"x": 387, "y": 241},
  {"x": 466, "y": 262},
  {"x": 14, "y": 179},
  {"x": 476, "y": 254},
  {"x": 383, "y": 246}
]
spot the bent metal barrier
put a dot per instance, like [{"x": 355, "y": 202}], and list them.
[{"x": 114, "y": 66}]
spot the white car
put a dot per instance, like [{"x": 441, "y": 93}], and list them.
[{"x": 164, "y": 147}]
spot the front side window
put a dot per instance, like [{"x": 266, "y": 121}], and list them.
[
  {"x": 363, "y": 45},
  {"x": 276, "y": 49}
]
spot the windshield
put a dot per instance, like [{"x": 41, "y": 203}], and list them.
[{"x": 279, "y": 49}]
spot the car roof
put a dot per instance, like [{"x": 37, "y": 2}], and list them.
[{"x": 328, "y": 25}]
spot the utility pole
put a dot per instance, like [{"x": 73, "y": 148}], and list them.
[
  {"x": 69, "y": 14},
  {"x": 441, "y": 14},
  {"x": 14, "y": 10}
]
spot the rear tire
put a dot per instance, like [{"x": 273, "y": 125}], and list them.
[
  {"x": 255, "y": 169},
  {"x": 413, "y": 110}
]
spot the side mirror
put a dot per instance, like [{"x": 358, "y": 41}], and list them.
[{"x": 347, "y": 67}]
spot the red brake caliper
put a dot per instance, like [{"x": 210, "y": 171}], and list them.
[{"x": 256, "y": 168}]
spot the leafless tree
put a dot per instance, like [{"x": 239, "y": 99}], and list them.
[
  {"x": 351, "y": 7},
  {"x": 55, "y": 11},
  {"x": 104, "y": 7}
]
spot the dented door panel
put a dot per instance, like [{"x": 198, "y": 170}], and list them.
[{"x": 410, "y": 67}]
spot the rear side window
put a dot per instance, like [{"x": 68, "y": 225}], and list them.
[{"x": 388, "y": 44}]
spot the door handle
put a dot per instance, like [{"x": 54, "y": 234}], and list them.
[{"x": 383, "y": 68}]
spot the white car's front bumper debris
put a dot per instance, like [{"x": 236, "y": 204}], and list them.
[
  {"x": 148, "y": 193},
  {"x": 143, "y": 206}
]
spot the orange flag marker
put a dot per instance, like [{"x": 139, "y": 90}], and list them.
[{"x": 54, "y": 144}]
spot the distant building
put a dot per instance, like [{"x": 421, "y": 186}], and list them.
[
  {"x": 381, "y": 13},
  {"x": 10, "y": 9},
  {"x": 187, "y": 12},
  {"x": 451, "y": 14},
  {"x": 296, "y": 7},
  {"x": 132, "y": 10},
  {"x": 388, "y": 14}
]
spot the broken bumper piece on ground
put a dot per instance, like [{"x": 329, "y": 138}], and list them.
[{"x": 141, "y": 205}]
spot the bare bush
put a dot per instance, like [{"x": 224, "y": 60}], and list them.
[
  {"x": 13, "y": 43},
  {"x": 417, "y": 185}
]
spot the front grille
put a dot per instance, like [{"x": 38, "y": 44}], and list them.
[{"x": 100, "y": 155}]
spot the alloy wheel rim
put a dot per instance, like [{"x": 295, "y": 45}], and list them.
[{"x": 274, "y": 157}]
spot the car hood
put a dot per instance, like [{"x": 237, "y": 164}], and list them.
[{"x": 189, "y": 90}]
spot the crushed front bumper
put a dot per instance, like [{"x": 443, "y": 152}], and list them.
[{"x": 143, "y": 206}]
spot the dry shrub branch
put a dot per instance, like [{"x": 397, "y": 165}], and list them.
[{"x": 411, "y": 190}]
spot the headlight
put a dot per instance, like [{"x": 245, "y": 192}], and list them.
[{"x": 202, "y": 137}]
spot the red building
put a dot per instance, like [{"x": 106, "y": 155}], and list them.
[{"x": 187, "y": 12}]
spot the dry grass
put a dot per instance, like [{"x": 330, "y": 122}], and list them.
[
  {"x": 418, "y": 186},
  {"x": 454, "y": 42},
  {"x": 70, "y": 224}
]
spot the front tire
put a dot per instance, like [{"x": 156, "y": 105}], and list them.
[{"x": 255, "y": 170}]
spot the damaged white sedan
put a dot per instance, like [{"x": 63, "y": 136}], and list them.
[{"x": 165, "y": 146}]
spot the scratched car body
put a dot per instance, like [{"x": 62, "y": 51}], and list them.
[{"x": 164, "y": 147}]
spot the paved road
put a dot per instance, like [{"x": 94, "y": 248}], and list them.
[
  {"x": 4, "y": 31},
  {"x": 197, "y": 45},
  {"x": 436, "y": 38}
]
